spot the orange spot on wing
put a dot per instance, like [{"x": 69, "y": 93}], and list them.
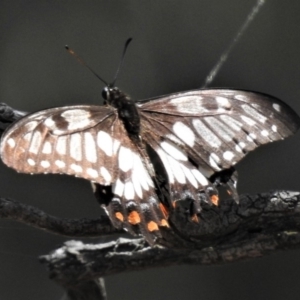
[
  {"x": 174, "y": 204},
  {"x": 164, "y": 223},
  {"x": 152, "y": 226},
  {"x": 164, "y": 210},
  {"x": 134, "y": 218},
  {"x": 195, "y": 218},
  {"x": 119, "y": 216},
  {"x": 214, "y": 199}
]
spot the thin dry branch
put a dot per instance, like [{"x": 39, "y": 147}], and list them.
[
  {"x": 32, "y": 216},
  {"x": 260, "y": 225}
]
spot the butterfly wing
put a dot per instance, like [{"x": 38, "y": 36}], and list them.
[
  {"x": 198, "y": 133},
  {"x": 75, "y": 140},
  {"x": 89, "y": 142}
]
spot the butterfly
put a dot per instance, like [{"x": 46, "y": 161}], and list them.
[{"x": 188, "y": 139}]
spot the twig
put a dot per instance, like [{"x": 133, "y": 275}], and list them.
[{"x": 14, "y": 210}]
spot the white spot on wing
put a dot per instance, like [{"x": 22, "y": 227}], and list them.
[
  {"x": 223, "y": 102},
  {"x": 238, "y": 148},
  {"x": 75, "y": 146},
  {"x": 139, "y": 175},
  {"x": 173, "y": 138},
  {"x": 174, "y": 151},
  {"x": 76, "y": 168},
  {"x": 213, "y": 160},
  {"x": 60, "y": 163},
  {"x": 277, "y": 107},
  {"x": 30, "y": 126},
  {"x": 129, "y": 191},
  {"x": 231, "y": 122},
  {"x": 61, "y": 145},
  {"x": 125, "y": 159},
  {"x": 91, "y": 172},
  {"x": 254, "y": 113},
  {"x": 228, "y": 155},
  {"x": 27, "y": 136},
  {"x": 206, "y": 134},
  {"x": 118, "y": 188},
  {"x": 176, "y": 169},
  {"x": 45, "y": 164},
  {"x": 248, "y": 120},
  {"x": 274, "y": 128},
  {"x": 35, "y": 142},
  {"x": 215, "y": 157},
  {"x": 241, "y": 97},
  {"x": 199, "y": 176},
  {"x": 249, "y": 138},
  {"x": 49, "y": 122},
  {"x": 11, "y": 142},
  {"x": 184, "y": 133},
  {"x": 105, "y": 142},
  {"x": 116, "y": 145},
  {"x": 189, "y": 104},
  {"x": 264, "y": 133},
  {"x": 166, "y": 164},
  {"x": 31, "y": 162},
  {"x": 47, "y": 148},
  {"x": 242, "y": 145},
  {"x": 77, "y": 118},
  {"x": 90, "y": 147},
  {"x": 190, "y": 176},
  {"x": 105, "y": 174},
  {"x": 220, "y": 128},
  {"x": 137, "y": 186}
]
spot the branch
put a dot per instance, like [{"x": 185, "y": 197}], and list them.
[
  {"x": 258, "y": 226},
  {"x": 87, "y": 290},
  {"x": 14, "y": 210},
  {"x": 8, "y": 115}
]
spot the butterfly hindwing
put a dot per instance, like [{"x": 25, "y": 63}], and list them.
[{"x": 135, "y": 205}]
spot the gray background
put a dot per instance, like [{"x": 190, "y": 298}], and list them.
[{"x": 175, "y": 45}]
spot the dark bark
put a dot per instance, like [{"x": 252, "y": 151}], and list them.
[
  {"x": 14, "y": 210},
  {"x": 8, "y": 115}
]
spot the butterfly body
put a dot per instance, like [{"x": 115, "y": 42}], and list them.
[
  {"x": 146, "y": 156},
  {"x": 126, "y": 108}
]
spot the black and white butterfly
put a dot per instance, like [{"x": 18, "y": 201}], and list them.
[{"x": 193, "y": 136}]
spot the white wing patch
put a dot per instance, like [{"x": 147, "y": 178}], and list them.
[
  {"x": 184, "y": 133},
  {"x": 76, "y": 118}
]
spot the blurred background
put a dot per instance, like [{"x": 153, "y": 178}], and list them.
[{"x": 175, "y": 45}]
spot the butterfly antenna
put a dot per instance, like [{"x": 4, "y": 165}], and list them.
[
  {"x": 82, "y": 62},
  {"x": 121, "y": 61}
]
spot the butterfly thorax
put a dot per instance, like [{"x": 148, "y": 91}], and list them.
[{"x": 126, "y": 108}]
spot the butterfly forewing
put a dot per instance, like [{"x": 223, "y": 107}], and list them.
[
  {"x": 76, "y": 140},
  {"x": 216, "y": 128}
]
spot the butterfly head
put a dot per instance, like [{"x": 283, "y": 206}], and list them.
[{"x": 110, "y": 93}]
